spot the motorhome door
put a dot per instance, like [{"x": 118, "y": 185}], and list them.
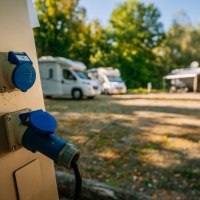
[{"x": 69, "y": 81}]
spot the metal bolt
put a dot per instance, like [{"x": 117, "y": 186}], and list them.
[
  {"x": 13, "y": 148},
  {"x": 3, "y": 89},
  {"x": 8, "y": 117}
]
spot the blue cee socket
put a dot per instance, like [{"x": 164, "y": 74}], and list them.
[{"x": 23, "y": 75}]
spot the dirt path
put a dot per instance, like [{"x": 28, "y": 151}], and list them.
[{"x": 149, "y": 143}]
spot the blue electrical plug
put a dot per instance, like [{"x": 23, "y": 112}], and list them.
[{"x": 39, "y": 136}]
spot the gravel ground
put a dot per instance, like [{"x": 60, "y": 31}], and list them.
[{"x": 146, "y": 142}]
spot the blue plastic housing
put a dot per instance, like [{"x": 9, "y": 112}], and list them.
[
  {"x": 24, "y": 75},
  {"x": 39, "y": 136},
  {"x": 49, "y": 145},
  {"x": 39, "y": 120},
  {"x": 18, "y": 58}
]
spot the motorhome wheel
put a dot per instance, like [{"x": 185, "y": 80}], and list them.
[{"x": 77, "y": 94}]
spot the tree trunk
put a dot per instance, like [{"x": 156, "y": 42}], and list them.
[{"x": 93, "y": 190}]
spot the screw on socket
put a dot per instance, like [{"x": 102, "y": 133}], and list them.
[
  {"x": 3, "y": 89},
  {"x": 8, "y": 117},
  {"x": 14, "y": 148},
  {"x": 14, "y": 128}
]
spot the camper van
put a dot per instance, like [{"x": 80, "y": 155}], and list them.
[
  {"x": 109, "y": 80},
  {"x": 63, "y": 77}
]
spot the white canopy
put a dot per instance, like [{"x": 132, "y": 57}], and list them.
[{"x": 188, "y": 72}]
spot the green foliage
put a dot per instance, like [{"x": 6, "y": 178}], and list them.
[
  {"x": 63, "y": 32},
  {"x": 58, "y": 22},
  {"x": 112, "y": 182},
  {"x": 133, "y": 41},
  {"x": 99, "y": 46},
  {"x": 142, "y": 90},
  {"x": 90, "y": 169},
  {"x": 186, "y": 173},
  {"x": 197, "y": 186},
  {"x": 136, "y": 35},
  {"x": 182, "y": 43}
]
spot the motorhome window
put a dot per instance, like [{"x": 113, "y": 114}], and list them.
[
  {"x": 50, "y": 73},
  {"x": 82, "y": 75},
  {"x": 68, "y": 75},
  {"x": 114, "y": 79}
]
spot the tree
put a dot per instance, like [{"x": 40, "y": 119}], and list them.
[
  {"x": 101, "y": 46},
  {"x": 91, "y": 45},
  {"x": 136, "y": 32},
  {"x": 182, "y": 43},
  {"x": 131, "y": 42},
  {"x": 60, "y": 22},
  {"x": 63, "y": 32}
]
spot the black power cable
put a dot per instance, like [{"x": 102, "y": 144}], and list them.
[{"x": 78, "y": 180}]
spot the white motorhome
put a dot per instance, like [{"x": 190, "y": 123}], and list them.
[
  {"x": 109, "y": 79},
  {"x": 62, "y": 77}
]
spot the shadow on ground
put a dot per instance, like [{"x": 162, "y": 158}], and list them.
[{"x": 150, "y": 145}]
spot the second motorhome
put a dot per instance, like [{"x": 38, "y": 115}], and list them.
[
  {"x": 62, "y": 77},
  {"x": 109, "y": 79}
]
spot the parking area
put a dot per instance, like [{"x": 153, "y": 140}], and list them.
[{"x": 146, "y": 142}]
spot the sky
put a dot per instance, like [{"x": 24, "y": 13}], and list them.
[{"x": 102, "y": 9}]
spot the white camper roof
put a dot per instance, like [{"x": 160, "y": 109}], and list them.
[
  {"x": 188, "y": 72},
  {"x": 75, "y": 65},
  {"x": 109, "y": 71}
]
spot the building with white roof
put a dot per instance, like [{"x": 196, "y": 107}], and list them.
[{"x": 185, "y": 78}]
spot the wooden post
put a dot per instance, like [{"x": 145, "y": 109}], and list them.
[
  {"x": 195, "y": 83},
  {"x": 24, "y": 175},
  {"x": 164, "y": 84},
  {"x": 149, "y": 87}
]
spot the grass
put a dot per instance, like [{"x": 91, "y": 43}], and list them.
[
  {"x": 185, "y": 173},
  {"x": 149, "y": 143},
  {"x": 142, "y": 90}
]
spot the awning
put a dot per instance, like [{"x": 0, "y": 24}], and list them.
[{"x": 179, "y": 76}]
